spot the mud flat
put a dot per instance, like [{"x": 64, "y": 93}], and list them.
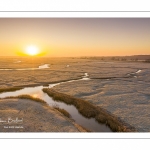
[{"x": 24, "y": 115}]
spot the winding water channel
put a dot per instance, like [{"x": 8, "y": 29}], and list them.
[{"x": 90, "y": 124}]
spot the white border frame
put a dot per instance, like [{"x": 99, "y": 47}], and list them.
[{"x": 73, "y": 14}]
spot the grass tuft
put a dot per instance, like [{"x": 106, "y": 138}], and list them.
[
  {"x": 28, "y": 97},
  {"x": 31, "y": 98}
]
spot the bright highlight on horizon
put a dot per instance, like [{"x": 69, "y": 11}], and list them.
[
  {"x": 32, "y": 50},
  {"x": 74, "y": 37}
]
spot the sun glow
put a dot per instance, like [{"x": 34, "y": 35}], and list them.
[
  {"x": 35, "y": 95},
  {"x": 32, "y": 50}
]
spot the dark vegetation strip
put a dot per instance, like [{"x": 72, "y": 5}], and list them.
[
  {"x": 28, "y": 97},
  {"x": 9, "y": 89},
  {"x": 89, "y": 110},
  {"x": 32, "y": 98},
  {"x": 130, "y": 76},
  {"x": 84, "y": 107}
]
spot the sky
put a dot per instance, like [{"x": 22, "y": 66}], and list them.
[{"x": 73, "y": 37}]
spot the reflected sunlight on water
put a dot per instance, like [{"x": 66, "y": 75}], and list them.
[{"x": 36, "y": 92}]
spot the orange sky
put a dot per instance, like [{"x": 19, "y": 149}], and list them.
[{"x": 75, "y": 37}]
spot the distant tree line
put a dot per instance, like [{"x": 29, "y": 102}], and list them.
[{"x": 117, "y": 58}]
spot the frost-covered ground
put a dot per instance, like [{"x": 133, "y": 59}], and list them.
[
  {"x": 126, "y": 96},
  {"x": 34, "y": 116},
  {"x": 57, "y": 71},
  {"x": 119, "y": 87}
]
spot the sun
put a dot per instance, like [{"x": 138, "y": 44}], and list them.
[{"x": 32, "y": 50}]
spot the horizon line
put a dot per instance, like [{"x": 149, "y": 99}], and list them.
[{"x": 80, "y": 56}]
